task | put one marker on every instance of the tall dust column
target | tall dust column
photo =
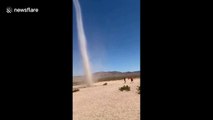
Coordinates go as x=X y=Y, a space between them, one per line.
x=82 y=42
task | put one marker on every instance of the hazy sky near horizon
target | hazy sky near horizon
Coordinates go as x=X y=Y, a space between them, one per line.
x=112 y=29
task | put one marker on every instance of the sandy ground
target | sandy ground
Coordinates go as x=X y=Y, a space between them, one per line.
x=107 y=102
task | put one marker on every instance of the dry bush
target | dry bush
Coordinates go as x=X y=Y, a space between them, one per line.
x=75 y=90
x=125 y=87
x=139 y=89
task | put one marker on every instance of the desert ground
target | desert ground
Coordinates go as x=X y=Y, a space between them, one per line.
x=107 y=102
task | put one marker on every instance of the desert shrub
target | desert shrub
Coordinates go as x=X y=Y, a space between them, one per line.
x=139 y=89
x=111 y=78
x=105 y=84
x=75 y=90
x=125 y=87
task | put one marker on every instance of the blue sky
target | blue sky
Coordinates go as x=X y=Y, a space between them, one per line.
x=112 y=29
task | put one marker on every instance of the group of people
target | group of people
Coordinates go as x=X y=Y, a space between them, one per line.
x=128 y=78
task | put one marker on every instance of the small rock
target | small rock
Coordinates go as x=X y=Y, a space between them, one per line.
x=105 y=84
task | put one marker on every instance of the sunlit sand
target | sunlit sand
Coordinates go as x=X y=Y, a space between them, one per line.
x=100 y=102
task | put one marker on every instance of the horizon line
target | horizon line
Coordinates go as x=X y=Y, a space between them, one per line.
x=108 y=71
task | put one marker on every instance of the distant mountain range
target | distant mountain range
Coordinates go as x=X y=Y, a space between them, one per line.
x=105 y=76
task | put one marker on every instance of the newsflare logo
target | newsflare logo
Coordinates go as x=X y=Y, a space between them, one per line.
x=9 y=10
x=28 y=9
